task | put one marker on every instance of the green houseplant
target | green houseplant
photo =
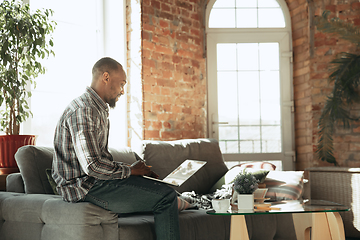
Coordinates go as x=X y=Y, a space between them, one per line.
x=345 y=75
x=245 y=184
x=25 y=38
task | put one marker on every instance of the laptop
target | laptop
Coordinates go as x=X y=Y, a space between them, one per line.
x=181 y=173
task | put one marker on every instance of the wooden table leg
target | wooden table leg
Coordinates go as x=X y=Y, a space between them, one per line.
x=327 y=225
x=302 y=225
x=336 y=225
x=324 y=226
x=238 y=229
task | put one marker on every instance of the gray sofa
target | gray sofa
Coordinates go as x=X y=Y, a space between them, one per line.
x=29 y=209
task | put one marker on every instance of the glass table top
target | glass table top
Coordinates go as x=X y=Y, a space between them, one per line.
x=290 y=206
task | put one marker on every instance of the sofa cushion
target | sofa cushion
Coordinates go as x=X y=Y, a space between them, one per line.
x=197 y=225
x=32 y=162
x=271 y=227
x=125 y=155
x=194 y=225
x=44 y=216
x=284 y=185
x=257 y=165
x=259 y=174
x=165 y=156
x=259 y=169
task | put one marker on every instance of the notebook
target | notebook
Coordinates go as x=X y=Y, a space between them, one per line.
x=181 y=173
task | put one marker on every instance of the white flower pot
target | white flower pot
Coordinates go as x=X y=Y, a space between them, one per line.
x=221 y=205
x=245 y=202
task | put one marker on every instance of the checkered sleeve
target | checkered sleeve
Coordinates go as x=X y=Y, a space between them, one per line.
x=89 y=136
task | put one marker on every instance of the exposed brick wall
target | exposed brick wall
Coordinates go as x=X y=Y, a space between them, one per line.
x=326 y=47
x=313 y=52
x=173 y=69
x=174 y=73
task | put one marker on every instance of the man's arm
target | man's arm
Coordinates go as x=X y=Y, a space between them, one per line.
x=86 y=129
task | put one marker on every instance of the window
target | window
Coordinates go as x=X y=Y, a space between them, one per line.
x=82 y=36
x=248 y=80
x=246 y=14
x=250 y=86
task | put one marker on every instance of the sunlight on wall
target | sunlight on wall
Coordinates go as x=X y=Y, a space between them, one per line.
x=82 y=36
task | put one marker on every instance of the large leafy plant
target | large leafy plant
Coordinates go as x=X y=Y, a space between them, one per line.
x=345 y=75
x=25 y=38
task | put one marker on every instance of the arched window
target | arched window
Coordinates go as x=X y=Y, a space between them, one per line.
x=249 y=61
x=246 y=14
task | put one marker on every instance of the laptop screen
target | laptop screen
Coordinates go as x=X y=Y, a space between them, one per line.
x=184 y=171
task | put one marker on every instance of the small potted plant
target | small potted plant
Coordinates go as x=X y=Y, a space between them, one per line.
x=245 y=185
x=25 y=38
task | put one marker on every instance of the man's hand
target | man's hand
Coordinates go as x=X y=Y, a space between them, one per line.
x=140 y=168
x=153 y=174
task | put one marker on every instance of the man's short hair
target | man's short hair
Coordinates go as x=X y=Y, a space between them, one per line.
x=105 y=64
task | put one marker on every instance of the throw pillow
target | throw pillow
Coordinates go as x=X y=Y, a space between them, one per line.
x=259 y=174
x=257 y=165
x=51 y=181
x=284 y=185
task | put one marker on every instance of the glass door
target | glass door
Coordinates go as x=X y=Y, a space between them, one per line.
x=250 y=98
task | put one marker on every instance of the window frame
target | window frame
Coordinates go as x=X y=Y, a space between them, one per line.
x=237 y=35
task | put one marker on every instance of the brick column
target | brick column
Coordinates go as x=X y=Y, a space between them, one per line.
x=174 y=71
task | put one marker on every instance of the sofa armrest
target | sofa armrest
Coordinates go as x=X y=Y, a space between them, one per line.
x=15 y=183
x=49 y=217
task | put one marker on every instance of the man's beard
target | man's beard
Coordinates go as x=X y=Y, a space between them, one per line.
x=112 y=102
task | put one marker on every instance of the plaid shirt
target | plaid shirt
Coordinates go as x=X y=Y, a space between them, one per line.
x=81 y=148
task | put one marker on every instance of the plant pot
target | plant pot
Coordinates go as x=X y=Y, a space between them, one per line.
x=9 y=144
x=245 y=202
x=221 y=205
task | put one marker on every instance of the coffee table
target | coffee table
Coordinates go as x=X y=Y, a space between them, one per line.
x=322 y=216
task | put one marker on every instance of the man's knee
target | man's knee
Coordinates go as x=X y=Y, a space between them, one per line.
x=169 y=198
x=170 y=193
x=173 y=194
